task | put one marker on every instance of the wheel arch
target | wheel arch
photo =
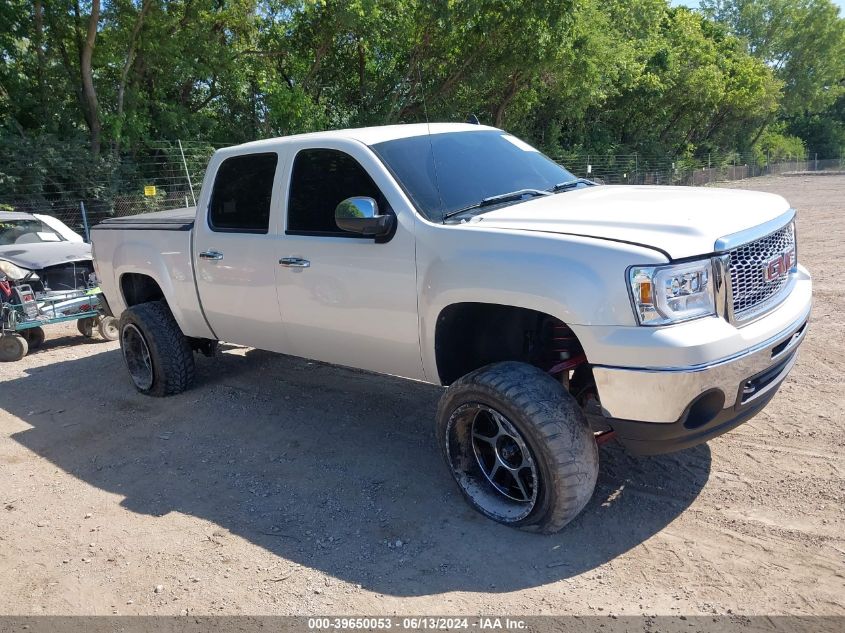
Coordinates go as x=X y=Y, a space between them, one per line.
x=138 y=288
x=144 y=273
x=470 y=334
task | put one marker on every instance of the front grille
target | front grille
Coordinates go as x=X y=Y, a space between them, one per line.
x=751 y=292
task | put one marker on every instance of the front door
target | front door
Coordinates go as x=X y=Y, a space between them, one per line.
x=345 y=298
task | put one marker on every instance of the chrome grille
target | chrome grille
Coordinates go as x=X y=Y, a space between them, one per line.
x=751 y=292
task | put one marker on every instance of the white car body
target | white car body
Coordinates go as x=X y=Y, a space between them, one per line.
x=376 y=306
x=50 y=252
x=60 y=227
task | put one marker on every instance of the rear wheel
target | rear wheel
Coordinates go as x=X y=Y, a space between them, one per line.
x=34 y=337
x=12 y=347
x=157 y=354
x=108 y=328
x=86 y=327
x=518 y=446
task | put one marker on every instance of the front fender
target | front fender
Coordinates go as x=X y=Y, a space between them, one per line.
x=579 y=280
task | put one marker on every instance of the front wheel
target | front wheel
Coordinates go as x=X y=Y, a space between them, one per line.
x=518 y=446
x=157 y=354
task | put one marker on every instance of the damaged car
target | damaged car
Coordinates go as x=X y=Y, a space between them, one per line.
x=42 y=251
x=46 y=276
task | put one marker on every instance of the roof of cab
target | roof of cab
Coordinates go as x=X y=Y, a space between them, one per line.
x=15 y=215
x=366 y=135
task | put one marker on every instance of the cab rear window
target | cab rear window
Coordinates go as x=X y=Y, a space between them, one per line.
x=243 y=189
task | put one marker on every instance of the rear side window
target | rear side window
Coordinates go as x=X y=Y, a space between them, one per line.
x=243 y=188
x=322 y=179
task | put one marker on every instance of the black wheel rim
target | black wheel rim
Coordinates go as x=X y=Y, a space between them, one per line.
x=491 y=461
x=136 y=353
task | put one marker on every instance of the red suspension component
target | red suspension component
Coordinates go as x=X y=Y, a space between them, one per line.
x=565 y=352
x=572 y=363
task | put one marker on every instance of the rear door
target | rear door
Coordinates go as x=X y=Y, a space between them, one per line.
x=235 y=251
x=345 y=298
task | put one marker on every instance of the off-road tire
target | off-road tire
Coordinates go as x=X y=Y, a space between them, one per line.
x=12 y=347
x=169 y=350
x=552 y=427
x=34 y=337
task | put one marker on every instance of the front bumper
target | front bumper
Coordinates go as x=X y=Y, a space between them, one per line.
x=662 y=409
x=649 y=438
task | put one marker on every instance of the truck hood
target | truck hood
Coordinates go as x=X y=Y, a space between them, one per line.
x=681 y=221
x=39 y=255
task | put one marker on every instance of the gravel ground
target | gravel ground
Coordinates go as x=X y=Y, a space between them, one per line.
x=280 y=486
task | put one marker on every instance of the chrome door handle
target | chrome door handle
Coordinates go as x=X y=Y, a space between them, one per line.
x=294 y=262
x=212 y=255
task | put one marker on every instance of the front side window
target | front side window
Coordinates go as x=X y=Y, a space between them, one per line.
x=243 y=189
x=321 y=179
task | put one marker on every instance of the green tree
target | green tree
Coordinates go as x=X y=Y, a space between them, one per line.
x=598 y=76
x=802 y=40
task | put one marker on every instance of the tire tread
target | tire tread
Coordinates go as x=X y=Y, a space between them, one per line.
x=173 y=360
x=563 y=436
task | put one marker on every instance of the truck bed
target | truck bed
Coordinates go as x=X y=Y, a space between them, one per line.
x=170 y=220
x=164 y=258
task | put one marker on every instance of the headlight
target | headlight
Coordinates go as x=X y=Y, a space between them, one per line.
x=15 y=273
x=670 y=294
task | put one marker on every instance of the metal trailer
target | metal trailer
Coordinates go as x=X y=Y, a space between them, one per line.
x=24 y=314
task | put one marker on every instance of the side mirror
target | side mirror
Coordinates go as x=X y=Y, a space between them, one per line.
x=360 y=215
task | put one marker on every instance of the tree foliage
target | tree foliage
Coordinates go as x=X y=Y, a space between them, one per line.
x=95 y=81
x=803 y=41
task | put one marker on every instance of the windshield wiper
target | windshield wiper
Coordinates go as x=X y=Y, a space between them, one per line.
x=571 y=184
x=498 y=199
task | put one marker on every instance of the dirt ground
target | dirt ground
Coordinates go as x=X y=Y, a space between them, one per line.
x=280 y=486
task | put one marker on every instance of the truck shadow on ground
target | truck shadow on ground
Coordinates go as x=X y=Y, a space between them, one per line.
x=329 y=468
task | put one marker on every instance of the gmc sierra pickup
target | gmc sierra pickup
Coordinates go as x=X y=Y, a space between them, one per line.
x=556 y=311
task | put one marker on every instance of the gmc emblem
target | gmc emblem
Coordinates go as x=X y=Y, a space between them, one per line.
x=779 y=266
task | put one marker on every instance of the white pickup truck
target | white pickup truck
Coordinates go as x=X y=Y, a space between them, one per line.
x=557 y=312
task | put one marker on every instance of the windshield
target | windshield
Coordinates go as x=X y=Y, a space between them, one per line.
x=26 y=232
x=470 y=167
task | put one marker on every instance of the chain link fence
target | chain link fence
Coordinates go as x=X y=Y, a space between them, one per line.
x=170 y=174
x=634 y=169
x=167 y=175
